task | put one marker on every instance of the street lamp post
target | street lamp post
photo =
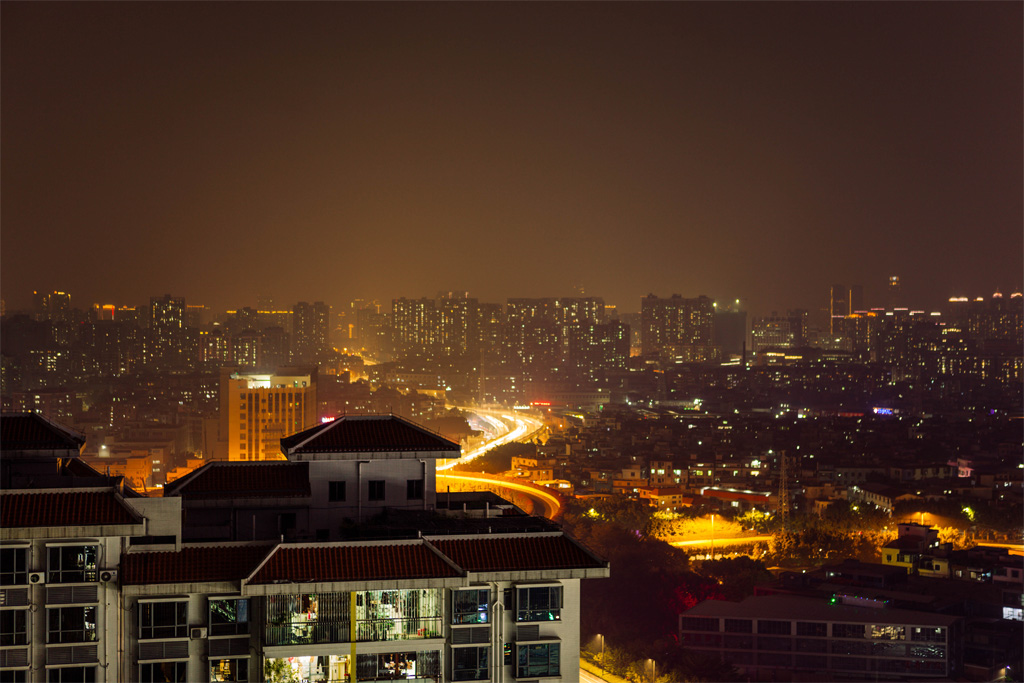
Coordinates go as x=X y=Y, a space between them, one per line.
x=602 y=652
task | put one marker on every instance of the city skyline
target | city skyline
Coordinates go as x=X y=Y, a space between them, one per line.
x=340 y=151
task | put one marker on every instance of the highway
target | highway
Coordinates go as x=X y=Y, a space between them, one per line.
x=721 y=542
x=509 y=425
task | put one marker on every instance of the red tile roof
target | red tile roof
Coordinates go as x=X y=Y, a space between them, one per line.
x=207 y=563
x=307 y=564
x=516 y=553
x=366 y=433
x=246 y=479
x=32 y=432
x=71 y=508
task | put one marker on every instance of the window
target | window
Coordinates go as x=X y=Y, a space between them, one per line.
x=470 y=607
x=773 y=626
x=739 y=626
x=470 y=663
x=12 y=566
x=229 y=617
x=810 y=628
x=928 y=634
x=847 y=630
x=229 y=669
x=887 y=632
x=163 y=619
x=10 y=676
x=71 y=564
x=12 y=627
x=163 y=672
x=414 y=489
x=699 y=624
x=72 y=674
x=538 y=659
x=71 y=624
x=542 y=603
x=376 y=490
x=336 y=491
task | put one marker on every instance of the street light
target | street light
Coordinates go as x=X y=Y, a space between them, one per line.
x=601 y=664
x=654 y=671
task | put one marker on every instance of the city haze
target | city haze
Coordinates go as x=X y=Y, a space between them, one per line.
x=336 y=150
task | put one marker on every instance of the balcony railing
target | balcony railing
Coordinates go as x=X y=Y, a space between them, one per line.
x=418 y=628
x=367 y=630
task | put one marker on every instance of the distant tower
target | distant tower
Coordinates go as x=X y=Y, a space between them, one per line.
x=838 y=308
x=783 y=510
x=893 y=292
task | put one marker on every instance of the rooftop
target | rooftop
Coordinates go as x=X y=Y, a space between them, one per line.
x=274 y=479
x=192 y=564
x=335 y=562
x=33 y=432
x=516 y=553
x=366 y=434
x=788 y=607
x=64 y=508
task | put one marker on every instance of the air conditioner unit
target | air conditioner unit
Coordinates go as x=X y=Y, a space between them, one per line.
x=197 y=632
x=108 y=575
x=37 y=577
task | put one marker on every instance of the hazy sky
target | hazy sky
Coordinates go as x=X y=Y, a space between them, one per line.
x=333 y=150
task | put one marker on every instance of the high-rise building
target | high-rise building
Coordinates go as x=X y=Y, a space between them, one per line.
x=458 y=321
x=167 y=339
x=838 y=308
x=677 y=328
x=258 y=410
x=415 y=326
x=894 y=292
x=310 y=332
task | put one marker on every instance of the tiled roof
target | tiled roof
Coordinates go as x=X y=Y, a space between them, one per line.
x=248 y=479
x=31 y=431
x=306 y=564
x=366 y=433
x=71 y=508
x=205 y=563
x=516 y=553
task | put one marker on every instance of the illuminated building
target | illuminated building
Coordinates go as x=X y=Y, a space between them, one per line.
x=415 y=327
x=774 y=331
x=55 y=306
x=167 y=339
x=838 y=308
x=310 y=332
x=258 y=410
x=458 y=324
x=894 y=292
x=245 y=349
x=677 y=328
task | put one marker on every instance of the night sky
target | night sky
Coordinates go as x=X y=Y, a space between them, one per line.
x=329 y=151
